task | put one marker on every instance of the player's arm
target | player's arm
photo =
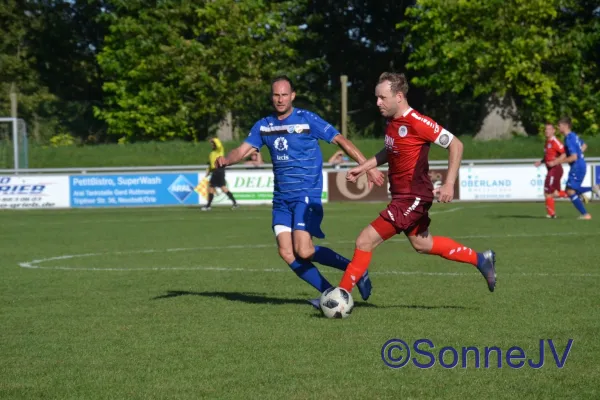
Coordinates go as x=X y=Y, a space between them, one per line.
x=583 y=147
x=378 y=159
x=236 y=155
x=571 y=148
x=559 y=160
x=455 y=153
x=353 y=152
x=349 y=148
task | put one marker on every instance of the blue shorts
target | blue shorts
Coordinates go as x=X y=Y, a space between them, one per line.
x=575 y=179
x=299 y=215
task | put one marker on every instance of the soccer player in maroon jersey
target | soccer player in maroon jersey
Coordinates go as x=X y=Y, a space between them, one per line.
x=408 y=137
x=553 y=149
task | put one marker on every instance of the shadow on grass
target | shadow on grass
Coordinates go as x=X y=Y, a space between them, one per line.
x=258 y=298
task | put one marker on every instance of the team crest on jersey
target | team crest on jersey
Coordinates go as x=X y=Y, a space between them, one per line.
x=298 y=129
x=549 y=145
x=403 y=131
x=281 y=144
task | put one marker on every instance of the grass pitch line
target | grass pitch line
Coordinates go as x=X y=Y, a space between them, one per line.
x=270 y=270
x=35 y=264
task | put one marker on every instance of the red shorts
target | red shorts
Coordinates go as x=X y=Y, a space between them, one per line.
x=409 y=215
x=552 y=183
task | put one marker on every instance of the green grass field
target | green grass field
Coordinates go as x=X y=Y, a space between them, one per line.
x=184 y=153
x=174 y=303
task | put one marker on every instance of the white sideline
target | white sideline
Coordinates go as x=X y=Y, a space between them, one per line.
x=35 y=264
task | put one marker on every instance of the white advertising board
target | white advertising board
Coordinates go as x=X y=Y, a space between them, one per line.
x=248 y=187
x=508 y=182
x=31 y=192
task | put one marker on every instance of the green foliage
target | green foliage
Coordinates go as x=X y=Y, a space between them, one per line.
x=178 y=152
x=18 y=71
x=62 y=139
x=517 y=49
x=173 y=71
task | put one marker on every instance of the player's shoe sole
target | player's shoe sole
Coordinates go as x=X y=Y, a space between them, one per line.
x=487 y=267
x=316 y=303
x=365 y=286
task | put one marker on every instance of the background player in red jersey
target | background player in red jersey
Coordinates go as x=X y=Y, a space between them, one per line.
x=408 y=138
x=553 y=149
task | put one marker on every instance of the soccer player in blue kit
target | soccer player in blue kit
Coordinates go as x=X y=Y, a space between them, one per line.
x=574 y=148
x=292 y=136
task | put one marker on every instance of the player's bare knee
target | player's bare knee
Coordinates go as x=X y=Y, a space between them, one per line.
x=364 y=243
x=287 y=255
x=420 y=248
x=305 y=252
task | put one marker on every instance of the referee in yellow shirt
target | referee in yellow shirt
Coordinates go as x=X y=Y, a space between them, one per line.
x=217 y=179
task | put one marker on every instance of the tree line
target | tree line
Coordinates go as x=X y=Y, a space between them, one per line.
x=131 y=70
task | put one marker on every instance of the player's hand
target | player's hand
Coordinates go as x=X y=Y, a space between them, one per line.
x=375 y=177
x=221 y=162
x=353 y=174
x=537 y=163
x=445 y=193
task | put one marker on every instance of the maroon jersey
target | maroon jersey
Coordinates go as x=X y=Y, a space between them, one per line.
x=407 y=141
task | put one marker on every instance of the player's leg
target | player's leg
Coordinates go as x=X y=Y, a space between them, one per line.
x=425 y=243
x=369 y=238
x=230 y=196
x=550 y=205
x=550 y=187
x=573 y=189
x=305 y=270
x=307 y=223
x=211 y=196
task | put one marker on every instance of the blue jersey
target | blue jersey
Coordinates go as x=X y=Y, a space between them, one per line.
x=573 y=145
x=295 y=153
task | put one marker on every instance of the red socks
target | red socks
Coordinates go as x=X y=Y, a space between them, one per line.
x=355 y=270
x=451 y=250
x=550 y=206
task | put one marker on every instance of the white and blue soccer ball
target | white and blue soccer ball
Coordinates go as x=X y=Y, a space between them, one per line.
x=336 y=302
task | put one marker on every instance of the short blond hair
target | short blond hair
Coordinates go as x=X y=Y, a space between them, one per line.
x=398 y=82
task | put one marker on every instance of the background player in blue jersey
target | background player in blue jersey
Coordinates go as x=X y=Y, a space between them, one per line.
x=292 y=136
x=574 y=148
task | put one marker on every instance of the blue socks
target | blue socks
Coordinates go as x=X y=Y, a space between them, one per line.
x=310 y=274
x=326 y=256
x=578 y=204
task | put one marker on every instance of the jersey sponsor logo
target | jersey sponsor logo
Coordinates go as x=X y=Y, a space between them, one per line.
x=281 y=144
x=284 y=157
x=290 y=128
x=402 y=131
x=389 y=143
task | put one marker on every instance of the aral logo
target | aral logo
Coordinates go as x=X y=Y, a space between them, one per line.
x=281 y=144
x=181 y=188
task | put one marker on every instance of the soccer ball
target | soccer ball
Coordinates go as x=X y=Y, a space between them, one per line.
x=336 y=303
